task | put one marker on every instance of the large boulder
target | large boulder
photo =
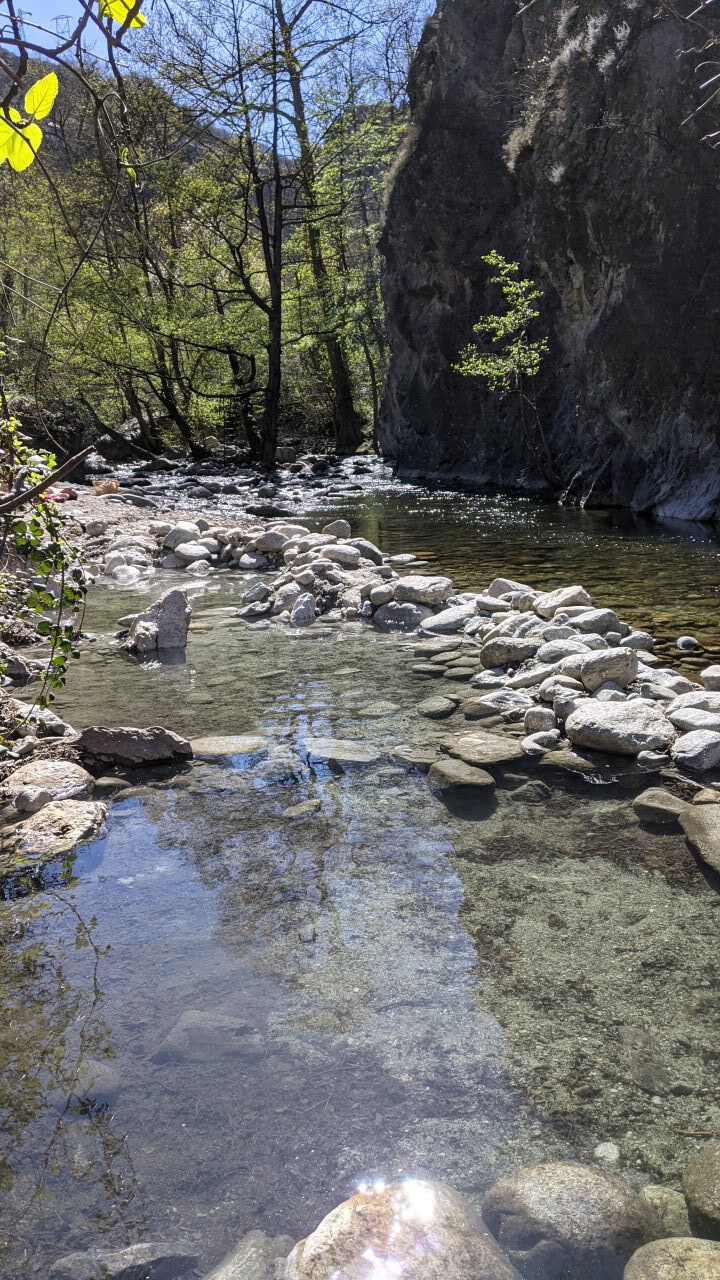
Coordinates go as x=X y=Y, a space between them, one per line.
x=619 y=665
x=549 y=602
x=678 y=1259
x=698 y=750
x=132 y=748
x=186 y=531
x=701 y=1184
x=400 y=616
x=163 y=625
x=414 y=1229
x=450 y=620
x=566 y=1221
x=623 y=728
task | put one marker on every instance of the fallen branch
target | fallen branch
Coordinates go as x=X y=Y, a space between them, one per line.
x=19 y=499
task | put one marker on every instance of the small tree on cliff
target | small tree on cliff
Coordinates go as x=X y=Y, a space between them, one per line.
x=503 y=353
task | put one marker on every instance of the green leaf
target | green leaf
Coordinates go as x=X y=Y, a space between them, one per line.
x=40 y=97
x=23 y=146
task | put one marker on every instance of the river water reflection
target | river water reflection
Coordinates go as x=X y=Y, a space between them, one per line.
x=218 y=1017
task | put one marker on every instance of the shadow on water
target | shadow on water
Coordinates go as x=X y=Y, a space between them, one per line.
x=222 y=1017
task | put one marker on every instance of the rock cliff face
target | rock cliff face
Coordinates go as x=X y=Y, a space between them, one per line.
x=556 y=135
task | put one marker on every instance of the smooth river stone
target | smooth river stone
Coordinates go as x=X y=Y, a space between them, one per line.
x=483 y=748
x=449 y=775
x=676 y=1259
x=623 y=728
x=254 y=1258
x=59 y=827
x=166 y=1260
x=341 y=751
x=701 y=825
x=420 y=757
x=241 y=744
x=414 y=1230
x=60 y=779
x=423 y=588
x=701 y=1184
x=436 y=708
x=570 y=1220
x=658 y=805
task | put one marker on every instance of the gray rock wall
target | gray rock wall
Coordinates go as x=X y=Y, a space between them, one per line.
x=557 y=137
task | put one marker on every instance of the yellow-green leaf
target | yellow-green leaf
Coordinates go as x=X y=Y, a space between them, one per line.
x=7 y=133
x=23 y=145
x=119 y=10
x=41 y=96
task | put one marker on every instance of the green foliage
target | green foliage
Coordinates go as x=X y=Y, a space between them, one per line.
x=20 y=136
x=41 y=576
x=509 y=355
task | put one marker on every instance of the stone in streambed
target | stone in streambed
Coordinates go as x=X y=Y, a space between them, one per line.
x=151 y=1260
x=618 y=665
x=711 y=677
x=58 y=827
x=163 y=625
x=437 y=708
x=506 y=649
x=202 y=1035
x=484 y=748
x=548 y=603
x=675 y=1259
x=418 y=757
x=452 y=775
x=570 y=1220
x=701 y=1184
x=418 y=1230
x=240 y=744
x=55 y=779
x=658 y=805
x=623 y=728
x=698 y=750
x=449 y=620
x=341 y=751
x=420 y=588
x=305 y=809
x=132 y=747
x=255 y=1258
x=671 y=1208
x=400 y=616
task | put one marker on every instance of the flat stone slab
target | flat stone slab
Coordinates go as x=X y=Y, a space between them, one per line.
x=341 y=751
x=483 y=748
x=241 y=744
x=436 y=708
x=164 y=1260
x=452 y=775
x=419 y=757
x=701 y=824
x=622 y=728
x=658 y=805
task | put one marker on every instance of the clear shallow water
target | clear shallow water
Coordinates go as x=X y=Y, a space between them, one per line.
x=390 y=985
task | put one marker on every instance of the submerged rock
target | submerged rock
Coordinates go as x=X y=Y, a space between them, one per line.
x=255 y=1257
x=241 y=744
x=658 y=805
x=416 y=1230
x=451 y=775
x=165 y=1260
x=701 y=1184
x=569 y=1220
x=484 y=748
x=202 y=1035
x=701 y=825
x=676 y=1259
x=341 y=751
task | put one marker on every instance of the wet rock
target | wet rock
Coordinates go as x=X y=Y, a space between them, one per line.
x=671 y=1208
x=510 y=703
x=711 y=677
x=132 y=747
x=190 y=552
x=396 y=616
x=97 y=1082
x=658 y=805
x=676 y=1259
x=418 y=757
x=420 y=588
x=625 y=728
x=341 y=751
x=53 y=779
x=619 y=665
x=537 y=744
x=484 y=748
x=701 y=1184
x=162 y=1260
x=255 y=1257
x=449 y=620
x=698 y=750
x=437 y=708
x=548 y=603
x=568 y=1220
x=417 y=1230
x=303 y=610
x=451 y=775
x=376 y=710
x=59 y=827
x=201 y=1035
x=240 y=744
x=688 y=644
x=164 y=625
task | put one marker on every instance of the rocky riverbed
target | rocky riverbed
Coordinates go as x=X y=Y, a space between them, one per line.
x=577 y=864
